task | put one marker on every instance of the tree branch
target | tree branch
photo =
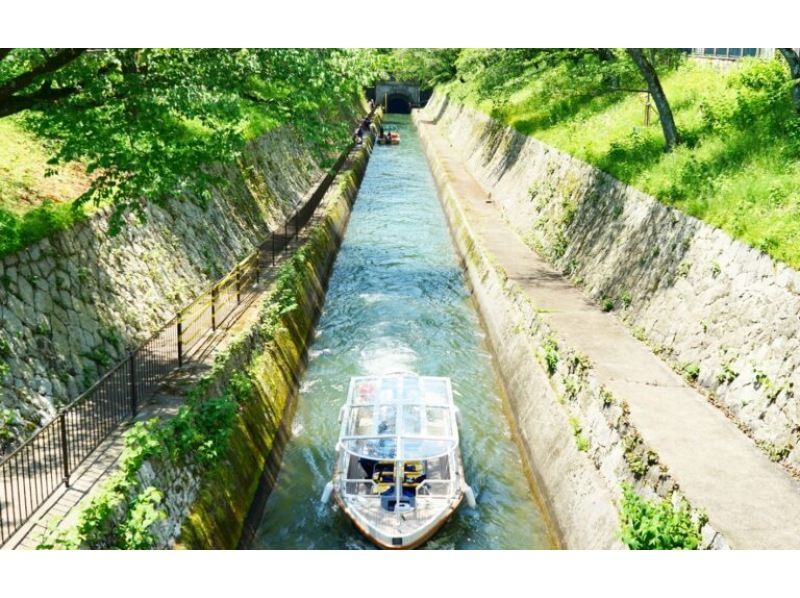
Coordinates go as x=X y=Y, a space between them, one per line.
x=255 y=98
x=31 y=101
x=52 y=64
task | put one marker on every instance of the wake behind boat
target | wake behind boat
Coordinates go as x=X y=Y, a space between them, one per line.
x=398 y=472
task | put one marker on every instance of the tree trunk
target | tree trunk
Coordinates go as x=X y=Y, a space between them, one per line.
x=671 y=137
x=790 y=54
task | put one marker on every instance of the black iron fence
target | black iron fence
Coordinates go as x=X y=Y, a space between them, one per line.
x=37 y=468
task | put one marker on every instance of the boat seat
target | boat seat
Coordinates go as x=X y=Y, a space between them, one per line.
x=383 y=480
x=381 y=488
x=389 y=501
x=414 y=473
x=413 y=481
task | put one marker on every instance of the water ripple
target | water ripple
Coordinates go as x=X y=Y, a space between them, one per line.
x=397 y=300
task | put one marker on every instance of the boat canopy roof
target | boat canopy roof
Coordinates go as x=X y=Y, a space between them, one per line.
x=389 y=127
x=399 y=417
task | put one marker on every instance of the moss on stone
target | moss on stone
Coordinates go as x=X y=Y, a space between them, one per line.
x=217 y=518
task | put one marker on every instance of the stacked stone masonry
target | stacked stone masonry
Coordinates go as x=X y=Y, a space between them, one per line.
x=724 y=314
x=562 y=411
x=74 y=304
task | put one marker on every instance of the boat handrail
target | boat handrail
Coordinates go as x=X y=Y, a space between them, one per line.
x=372 y=483
x=395 y=436
x=425 y=483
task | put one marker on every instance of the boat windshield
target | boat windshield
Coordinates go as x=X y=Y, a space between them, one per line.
x=399 y=417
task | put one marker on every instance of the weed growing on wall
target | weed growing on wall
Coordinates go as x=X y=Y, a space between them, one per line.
x=549 y=353
x=658 y=525
x=123 y=513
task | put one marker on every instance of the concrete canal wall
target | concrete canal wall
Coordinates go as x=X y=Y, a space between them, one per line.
x=230 y=501
x=577 y=437
x=723 y=314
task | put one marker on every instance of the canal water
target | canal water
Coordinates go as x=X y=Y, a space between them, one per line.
x=397 y=300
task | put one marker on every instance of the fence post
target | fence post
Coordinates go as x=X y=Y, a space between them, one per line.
x=134 y=386
x=238 y=285
x=62 y=421
x=214 y=307
x=180 y=341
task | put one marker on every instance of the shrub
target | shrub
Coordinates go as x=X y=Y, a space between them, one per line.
x=550 y=354
x=577 y=431
x=658 y=525
x=728 y=374
x=18 y=232
x=692 y=371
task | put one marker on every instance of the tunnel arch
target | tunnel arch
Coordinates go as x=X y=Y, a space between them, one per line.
x=398 y=103
x=397 y=96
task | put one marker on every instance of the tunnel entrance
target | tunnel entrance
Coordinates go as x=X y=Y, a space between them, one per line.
x=398 y=97
x=398 y=104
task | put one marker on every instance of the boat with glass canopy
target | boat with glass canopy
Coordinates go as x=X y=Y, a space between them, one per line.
x=398 y=472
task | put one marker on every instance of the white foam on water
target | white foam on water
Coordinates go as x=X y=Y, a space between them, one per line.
x=373 y=297
x=387 y=355
x=307 y=385
x=314 y=353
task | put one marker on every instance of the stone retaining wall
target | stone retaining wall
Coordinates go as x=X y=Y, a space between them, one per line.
x=725 y=315
x=211 y=507
x=218 y=517
x=577 y=437
x=73 y=304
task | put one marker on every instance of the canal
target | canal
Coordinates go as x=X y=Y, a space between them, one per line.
x=397 y=300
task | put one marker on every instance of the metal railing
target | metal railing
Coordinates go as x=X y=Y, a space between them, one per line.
x=37 y=468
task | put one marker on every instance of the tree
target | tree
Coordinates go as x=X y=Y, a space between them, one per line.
x=148 y=123
x=648 y=72
x=427 y=66
x=791 y=56
x=29 y=82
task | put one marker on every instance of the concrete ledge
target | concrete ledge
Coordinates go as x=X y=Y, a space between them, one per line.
x=576 y=497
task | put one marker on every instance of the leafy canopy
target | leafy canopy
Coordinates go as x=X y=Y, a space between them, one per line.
x=148 y=122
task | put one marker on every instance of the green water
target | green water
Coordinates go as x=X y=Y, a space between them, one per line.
x=397 y=300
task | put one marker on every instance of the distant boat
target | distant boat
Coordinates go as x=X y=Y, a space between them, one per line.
x=398 y=472
x=390 y=135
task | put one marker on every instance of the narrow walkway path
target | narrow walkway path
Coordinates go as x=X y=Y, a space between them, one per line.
x=60 y=508
x=753 y=502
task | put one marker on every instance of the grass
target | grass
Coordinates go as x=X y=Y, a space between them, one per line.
x=739 y=168
x=23 y=164
x=34 y=205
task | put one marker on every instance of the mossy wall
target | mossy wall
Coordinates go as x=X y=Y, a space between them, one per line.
x=217 y=518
